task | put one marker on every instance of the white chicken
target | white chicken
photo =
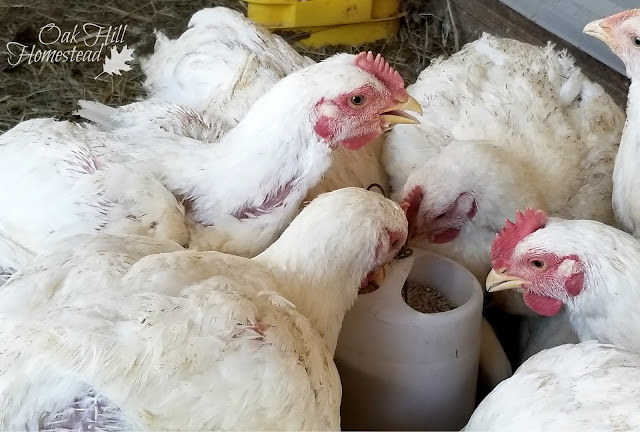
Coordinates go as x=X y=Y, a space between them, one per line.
x=588 y=386
x=203 y=83
x=621 y=32
x=521 y=124
x=130 y=333
x=505 y=125
x=240 y=192
x=589 y=269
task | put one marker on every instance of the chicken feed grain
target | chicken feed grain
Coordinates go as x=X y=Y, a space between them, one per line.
x=419 y=297
x=425 y=299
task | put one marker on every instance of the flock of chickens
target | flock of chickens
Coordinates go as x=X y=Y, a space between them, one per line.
x=185 y=262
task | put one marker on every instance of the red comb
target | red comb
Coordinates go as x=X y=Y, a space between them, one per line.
x=512 y=233
x=614 y=20
x=379 y=68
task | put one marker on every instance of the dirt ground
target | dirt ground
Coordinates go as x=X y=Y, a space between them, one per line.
x=50 y=89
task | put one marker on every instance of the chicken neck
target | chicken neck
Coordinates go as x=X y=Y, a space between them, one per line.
x=606 y=309
x=626 y=181
x=319 y=275
x=265 y=165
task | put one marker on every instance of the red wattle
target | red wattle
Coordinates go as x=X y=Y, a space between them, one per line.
x=358 y=142
x=445 y=236
x=542 y=305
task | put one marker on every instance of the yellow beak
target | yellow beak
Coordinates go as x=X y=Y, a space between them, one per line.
x=396 y=115
x=500 y=281
x=599 y=30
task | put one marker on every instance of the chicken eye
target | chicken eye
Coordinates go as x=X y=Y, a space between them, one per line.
x=636 y=41
x=357 y=100
x=537 y=264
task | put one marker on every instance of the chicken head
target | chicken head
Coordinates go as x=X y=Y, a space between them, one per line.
x=441 y=224
x=467 y=190
x=621 y=32
x=370 y=99
x=520 y=260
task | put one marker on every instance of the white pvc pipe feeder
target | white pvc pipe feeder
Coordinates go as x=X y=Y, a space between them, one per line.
x=406 y=370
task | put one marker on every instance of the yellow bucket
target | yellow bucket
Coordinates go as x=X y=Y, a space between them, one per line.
x=329 y=22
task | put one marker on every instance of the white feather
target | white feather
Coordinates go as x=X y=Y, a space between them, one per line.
x=184 y=340
x=588 y=386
